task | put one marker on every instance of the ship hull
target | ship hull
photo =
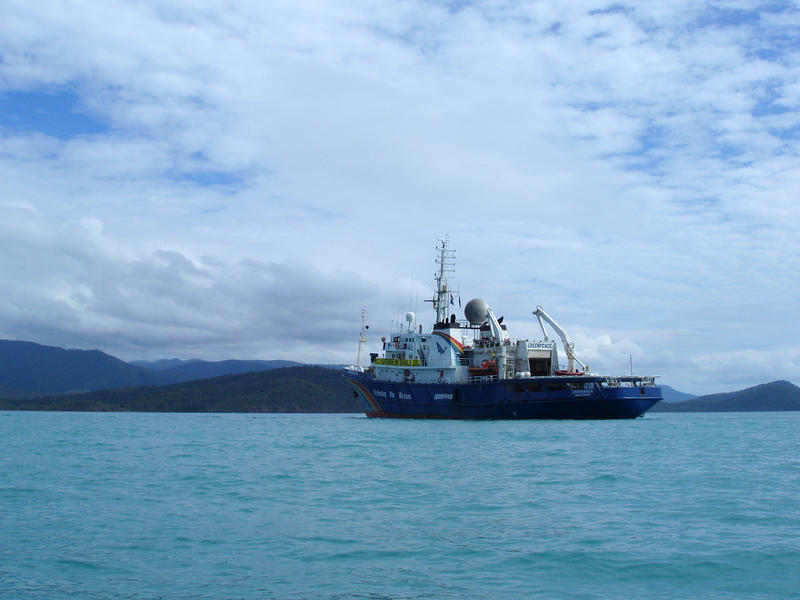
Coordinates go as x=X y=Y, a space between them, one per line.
x=539 y=398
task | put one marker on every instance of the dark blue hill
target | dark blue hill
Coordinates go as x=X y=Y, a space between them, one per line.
x=670 y=394
x=49 y=370
x=775 y=396
x=27 y=369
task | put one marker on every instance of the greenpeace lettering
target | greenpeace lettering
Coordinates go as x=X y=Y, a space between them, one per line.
x=398 y=362
x=541 y=345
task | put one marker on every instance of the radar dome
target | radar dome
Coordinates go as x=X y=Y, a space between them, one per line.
x=410 y=316
x=476 y=311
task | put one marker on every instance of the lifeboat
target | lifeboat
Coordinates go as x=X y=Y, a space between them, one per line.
x=487 y=367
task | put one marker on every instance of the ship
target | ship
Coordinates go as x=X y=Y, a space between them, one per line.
x=471 y=368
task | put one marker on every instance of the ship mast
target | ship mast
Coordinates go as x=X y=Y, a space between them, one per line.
x=362 y=342
x=446 y=261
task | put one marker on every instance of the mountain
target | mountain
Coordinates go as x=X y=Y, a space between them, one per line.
x=41 y=369
x=177 y=370
x=29 y=369
x=200 y=369
x=161 y=364
x=670 y=394
x=285 y=390
x=775 y=396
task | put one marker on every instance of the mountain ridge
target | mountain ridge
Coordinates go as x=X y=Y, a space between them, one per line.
x=28 y=368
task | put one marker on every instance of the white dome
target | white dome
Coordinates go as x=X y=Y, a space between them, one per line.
x=476 y=311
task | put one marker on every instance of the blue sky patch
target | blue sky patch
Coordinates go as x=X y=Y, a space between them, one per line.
x=206 y=178
x=54 y=113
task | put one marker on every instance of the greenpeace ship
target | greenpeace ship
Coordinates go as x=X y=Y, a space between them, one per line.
x=472 y=370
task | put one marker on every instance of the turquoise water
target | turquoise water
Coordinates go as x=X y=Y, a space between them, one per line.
x=339 y=506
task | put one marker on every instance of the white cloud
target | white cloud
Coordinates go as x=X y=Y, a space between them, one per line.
x=630 y=166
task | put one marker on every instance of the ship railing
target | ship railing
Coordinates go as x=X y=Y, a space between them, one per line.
x=630 y=381
x=481 y=378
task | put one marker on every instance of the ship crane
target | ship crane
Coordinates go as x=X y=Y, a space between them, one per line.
x=569 y=347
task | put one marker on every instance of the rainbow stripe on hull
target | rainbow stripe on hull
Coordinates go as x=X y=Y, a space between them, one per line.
x=367 y=399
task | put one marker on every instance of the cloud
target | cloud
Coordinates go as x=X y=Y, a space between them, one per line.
x=69 y=284
x=631 y=167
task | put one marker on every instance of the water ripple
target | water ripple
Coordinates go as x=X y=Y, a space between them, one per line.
x=339 y=506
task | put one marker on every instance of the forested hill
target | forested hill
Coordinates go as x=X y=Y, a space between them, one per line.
x=775 y=396
x=291 y=390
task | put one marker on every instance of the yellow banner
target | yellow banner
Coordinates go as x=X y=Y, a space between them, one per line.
x=398 y=362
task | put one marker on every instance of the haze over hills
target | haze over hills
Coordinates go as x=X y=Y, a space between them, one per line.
x=161 y=364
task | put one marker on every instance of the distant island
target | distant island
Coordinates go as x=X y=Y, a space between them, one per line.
x=36 y=377
x=775 y=396
x=285 y=390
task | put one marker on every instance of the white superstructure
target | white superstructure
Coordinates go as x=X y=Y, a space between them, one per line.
x=478 y=349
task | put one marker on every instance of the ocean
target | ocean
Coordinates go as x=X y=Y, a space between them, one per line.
x=146 y=506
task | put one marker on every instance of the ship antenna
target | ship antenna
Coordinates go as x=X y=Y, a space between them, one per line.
x=362 y=342
x=446 y=260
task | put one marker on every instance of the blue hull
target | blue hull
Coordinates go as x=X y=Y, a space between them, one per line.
x=546 y=398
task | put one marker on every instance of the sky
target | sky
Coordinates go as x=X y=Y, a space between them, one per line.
x=238 y=179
